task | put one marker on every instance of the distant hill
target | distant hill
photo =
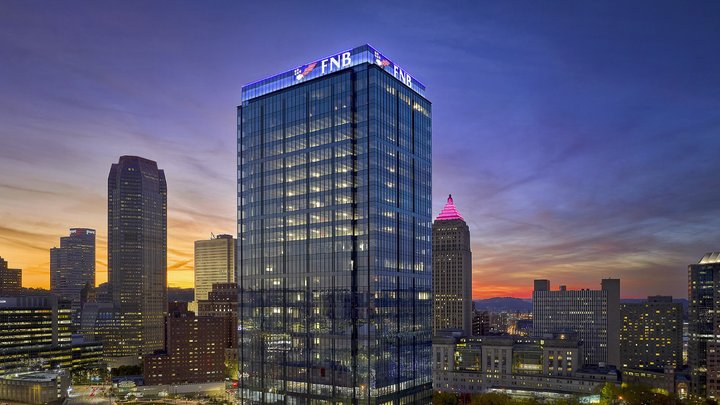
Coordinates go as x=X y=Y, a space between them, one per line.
x=507 y=304
x=180 y=294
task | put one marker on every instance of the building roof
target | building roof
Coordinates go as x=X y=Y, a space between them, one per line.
x=713 y=257
x=38 y=376
x=339 y=61
x=449 y=212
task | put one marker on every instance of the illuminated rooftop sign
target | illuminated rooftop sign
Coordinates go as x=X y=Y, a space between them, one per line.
x=449 y=212
x=334 y=63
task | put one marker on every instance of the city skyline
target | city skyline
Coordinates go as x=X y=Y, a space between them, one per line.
x=534 y=186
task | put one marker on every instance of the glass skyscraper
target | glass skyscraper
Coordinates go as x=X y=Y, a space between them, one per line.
x=704 y=326
x=72 y=266
x=334 y=226
x=137 y=257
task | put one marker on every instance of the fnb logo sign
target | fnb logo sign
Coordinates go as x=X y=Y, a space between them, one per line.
x=334 y=63
x=327 y=65
x=397 y=72
x=344 y=60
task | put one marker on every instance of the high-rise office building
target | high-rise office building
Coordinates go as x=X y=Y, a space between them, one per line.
x=214 y=263
x=72 y=265
x=452 y=271
x=651 y=334
x=593 y=314
x=33 y=328
x=334 y=227
x=137 y=257
x=10 y=279
x=704 y=325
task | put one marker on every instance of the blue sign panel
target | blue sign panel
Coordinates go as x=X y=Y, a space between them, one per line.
x=339 y=61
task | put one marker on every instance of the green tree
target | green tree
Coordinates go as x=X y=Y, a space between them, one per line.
x=231 y=369
x=609 y=394
x=127 y=370
x=567 y=401
x=491 y=398
x=444 y=398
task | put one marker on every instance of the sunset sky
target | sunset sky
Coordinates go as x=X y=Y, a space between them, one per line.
x=579 y=139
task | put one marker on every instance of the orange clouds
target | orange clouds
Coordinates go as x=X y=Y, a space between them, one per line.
x=34 y=220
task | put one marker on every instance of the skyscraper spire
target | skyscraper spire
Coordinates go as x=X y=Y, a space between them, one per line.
x=449 y=211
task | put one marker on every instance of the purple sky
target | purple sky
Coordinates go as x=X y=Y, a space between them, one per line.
x=579 y=139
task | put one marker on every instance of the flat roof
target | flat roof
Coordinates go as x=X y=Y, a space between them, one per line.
x=334 y=63
x=32 y=376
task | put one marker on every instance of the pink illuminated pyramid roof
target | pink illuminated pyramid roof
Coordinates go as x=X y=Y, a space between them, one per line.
x=449 y=211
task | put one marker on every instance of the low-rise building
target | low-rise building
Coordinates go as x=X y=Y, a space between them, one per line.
x=468 y=365
x=36 y=388
x=662 y=379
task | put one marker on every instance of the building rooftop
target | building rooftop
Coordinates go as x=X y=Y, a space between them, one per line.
x=713 y=257
x=339 y=61
x=449 y=212
x=38 y=376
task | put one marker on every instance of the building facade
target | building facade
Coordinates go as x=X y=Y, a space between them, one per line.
x=651 y=337
x=593 y=314
x=471 y=365
x=10 y=279
x=137 y=257
x=214 y=263
x=194 y=351
x=480 y=323
x=35 y=333
x=334 y=227
x=452 y=271
x=97 y=322
x=222 y=302
x=704 y=326
x=72 y=265
x=659 y=379
x=37 y=388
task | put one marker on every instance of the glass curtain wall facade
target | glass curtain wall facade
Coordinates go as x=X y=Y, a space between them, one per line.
x=703 y=323
x=334 y=216
x=72 y=266
x=137 y=257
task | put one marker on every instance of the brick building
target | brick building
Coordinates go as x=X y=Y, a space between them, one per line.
x=222 y=304
x=194 y=350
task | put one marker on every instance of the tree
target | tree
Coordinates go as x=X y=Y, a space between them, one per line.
x=609 y=394
x=568 y=401
x=231 y=369
x=444 y=398
x=635 y=394
x=127 y=370
x=491 y=398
